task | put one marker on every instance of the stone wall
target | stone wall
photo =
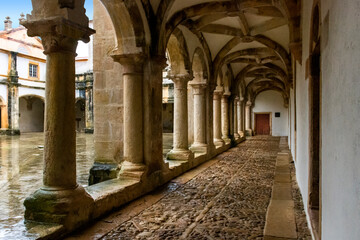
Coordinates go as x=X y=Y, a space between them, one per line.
x=108 y=91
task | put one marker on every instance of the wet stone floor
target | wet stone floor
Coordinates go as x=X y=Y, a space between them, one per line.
x=21 y=161
x=21 y=166
x=227 y=200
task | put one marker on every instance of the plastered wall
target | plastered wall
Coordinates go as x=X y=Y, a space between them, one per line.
x=272 y=101
x=340 y=114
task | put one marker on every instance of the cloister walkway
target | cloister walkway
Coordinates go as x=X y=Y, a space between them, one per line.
x=225 y=198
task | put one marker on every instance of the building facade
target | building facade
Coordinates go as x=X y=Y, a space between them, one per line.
x=22 y=82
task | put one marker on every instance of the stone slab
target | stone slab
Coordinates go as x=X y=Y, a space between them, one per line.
x=280 y=219
x=282 y=177
x=281 y=191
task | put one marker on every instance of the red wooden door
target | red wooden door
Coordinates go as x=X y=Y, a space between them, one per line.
x=263 y=124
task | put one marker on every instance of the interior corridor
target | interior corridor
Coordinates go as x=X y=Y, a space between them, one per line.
x=224 y=198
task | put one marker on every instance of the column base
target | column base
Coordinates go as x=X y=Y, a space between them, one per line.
x=89 y=130
x=241 y=133
x=226 y=139
x=236 y=136
x=180 y=154
x=249 y=132
x=101 y=172
x=199 y=148
x=132 y=170
x=219 y=142
x=68 y=207
x=10 y=132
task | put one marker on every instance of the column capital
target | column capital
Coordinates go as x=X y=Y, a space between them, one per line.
x=226 y=95
x=248 y=103
x=217 y=94
x=132 y=63
x=236 y=99
x=58 y=34
x=180 y=80
x=198 y=88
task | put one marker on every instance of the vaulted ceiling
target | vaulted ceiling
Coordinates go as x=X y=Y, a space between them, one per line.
x=251 y=39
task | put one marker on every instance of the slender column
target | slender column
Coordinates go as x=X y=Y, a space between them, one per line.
x=240 y=117
x=248 y=119
x=236 y=117
x=89 y=104
x=199 y=144
x=218 y=141
x=61 y=199
x=13 y=98
x=225 y=117
x=181 y=150
x=133 y=164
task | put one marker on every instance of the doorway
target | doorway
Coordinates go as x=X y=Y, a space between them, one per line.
x=262 y=124
x=314 y=200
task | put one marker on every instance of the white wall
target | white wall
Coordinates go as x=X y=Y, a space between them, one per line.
x=272 y=101
x=341 y=120
x=23 y=68
x=4 y=63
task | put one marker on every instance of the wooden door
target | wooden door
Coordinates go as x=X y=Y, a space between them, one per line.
x=263 y=124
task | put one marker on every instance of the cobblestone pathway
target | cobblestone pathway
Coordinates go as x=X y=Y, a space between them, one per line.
x=226 y=201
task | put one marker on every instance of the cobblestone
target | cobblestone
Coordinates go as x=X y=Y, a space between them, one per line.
x=226 y=201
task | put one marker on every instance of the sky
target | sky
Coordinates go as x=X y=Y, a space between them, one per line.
x=13 y=9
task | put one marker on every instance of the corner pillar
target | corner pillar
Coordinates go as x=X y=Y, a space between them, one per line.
x=13 y=98
x=181 y=149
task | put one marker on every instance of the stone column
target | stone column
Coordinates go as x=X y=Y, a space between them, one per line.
x=240 y=117
x=13 y=98
x=199 y=144
x=236 y=117
x=225 y=117
x=218 y=141
x=133 y=164
x=89 y=103
x=248 y=119
x=180 y=149
x=60 y=200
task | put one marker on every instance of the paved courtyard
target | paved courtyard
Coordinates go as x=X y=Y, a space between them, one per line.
x=225 y=198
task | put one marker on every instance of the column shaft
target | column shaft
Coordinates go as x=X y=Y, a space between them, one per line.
x=236 y=117
x=133 y=164
x=199 y=144
x=240 y=118
x=89 y=104
x=217 y=119
x=60 y=136
x=248 y=119
x=225 y=117
x=180 y=150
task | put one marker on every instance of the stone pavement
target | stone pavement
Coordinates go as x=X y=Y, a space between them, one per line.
x=225 y=198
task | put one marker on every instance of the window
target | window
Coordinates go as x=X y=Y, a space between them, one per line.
x=33 y=70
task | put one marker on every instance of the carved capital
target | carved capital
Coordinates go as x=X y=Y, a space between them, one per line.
x=248 y=104
x=198 y=88
x=58 y=34
x=217 y=94
x=180 y=80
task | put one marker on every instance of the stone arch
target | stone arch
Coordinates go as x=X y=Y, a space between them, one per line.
x=31 y=113
x=314 y=202
x=131 y=33
x=199 y=66
x=178 y=54
x=80 y=114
